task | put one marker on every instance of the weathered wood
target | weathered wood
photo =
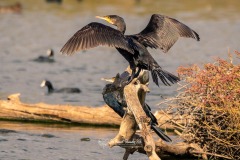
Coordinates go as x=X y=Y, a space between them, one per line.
x=135 y=97
x=14 y=109
x=127 y=130
x=180 y=149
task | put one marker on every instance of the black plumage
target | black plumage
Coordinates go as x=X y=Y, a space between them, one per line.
x=161 y=32
x=93 y=35
x=51 y=89
x=114 y=98
x=54 y=1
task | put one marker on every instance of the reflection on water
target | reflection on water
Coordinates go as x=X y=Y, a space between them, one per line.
x=42 y=25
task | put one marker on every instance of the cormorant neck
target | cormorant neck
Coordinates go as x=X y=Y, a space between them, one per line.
x=121 y=26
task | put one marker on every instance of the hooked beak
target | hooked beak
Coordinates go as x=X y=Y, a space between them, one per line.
x=105 y=18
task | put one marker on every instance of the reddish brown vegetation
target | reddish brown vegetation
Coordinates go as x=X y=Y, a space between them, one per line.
x=211 y=102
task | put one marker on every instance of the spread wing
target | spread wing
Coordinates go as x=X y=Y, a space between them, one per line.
x=93 y=35
x=162 y=32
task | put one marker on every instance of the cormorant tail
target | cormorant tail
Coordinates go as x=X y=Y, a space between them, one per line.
x=148 y=112
x=154 y=124
x=160 y=133
x=164 y=76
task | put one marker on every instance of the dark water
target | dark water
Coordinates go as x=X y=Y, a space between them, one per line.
x=41 y=26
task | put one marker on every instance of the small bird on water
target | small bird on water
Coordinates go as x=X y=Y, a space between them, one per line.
x=161 y=32
x=50 y=88
x=48 y=59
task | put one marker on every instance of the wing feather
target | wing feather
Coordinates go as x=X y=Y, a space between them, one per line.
x=162 y=32
x=93 y=35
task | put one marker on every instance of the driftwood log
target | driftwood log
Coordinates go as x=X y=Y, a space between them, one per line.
x=13 y=108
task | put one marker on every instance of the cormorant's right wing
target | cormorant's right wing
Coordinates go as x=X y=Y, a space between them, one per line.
x=93 y=35
x=162 y=32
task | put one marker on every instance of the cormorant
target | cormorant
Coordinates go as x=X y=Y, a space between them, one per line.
x=48 y=58
x=114 y=98
x=49 y=85
x=161 y=32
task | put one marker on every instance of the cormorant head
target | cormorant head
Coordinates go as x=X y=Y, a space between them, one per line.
x=112 y=19
x=115 y=20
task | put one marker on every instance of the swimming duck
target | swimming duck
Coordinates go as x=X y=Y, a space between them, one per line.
x=49 y=85
x=48 y=58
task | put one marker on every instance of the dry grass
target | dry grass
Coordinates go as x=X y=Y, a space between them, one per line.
x=210 y=100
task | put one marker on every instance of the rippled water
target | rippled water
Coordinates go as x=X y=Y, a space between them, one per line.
x=41 y=26
x=20 y=141
x=55 y=142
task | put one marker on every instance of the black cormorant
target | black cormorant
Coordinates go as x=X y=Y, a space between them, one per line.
x=50 y=88
x=114 y=98
x=161 y=32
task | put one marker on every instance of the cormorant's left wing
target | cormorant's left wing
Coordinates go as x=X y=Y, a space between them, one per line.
x=95 y=34
x=162 y=32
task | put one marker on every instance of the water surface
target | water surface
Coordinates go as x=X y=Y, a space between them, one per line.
x=55 y=142
x=41 y=26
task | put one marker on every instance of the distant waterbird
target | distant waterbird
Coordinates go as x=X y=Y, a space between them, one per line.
x=46 y=59
x=54 y=1
x=51 y=89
